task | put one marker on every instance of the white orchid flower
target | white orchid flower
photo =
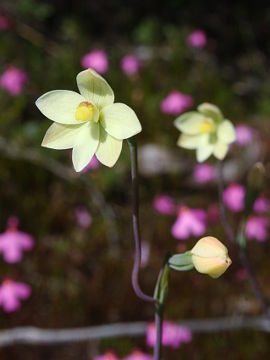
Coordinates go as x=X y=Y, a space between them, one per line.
x=89 y=123
x=206 y=131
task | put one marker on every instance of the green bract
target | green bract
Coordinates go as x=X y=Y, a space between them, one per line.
x=90 y=122
x=206 y=131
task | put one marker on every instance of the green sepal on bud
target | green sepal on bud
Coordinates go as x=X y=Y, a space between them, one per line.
x=181 y=262
x=162 y=285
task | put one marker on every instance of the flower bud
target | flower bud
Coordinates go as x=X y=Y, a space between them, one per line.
x=210 y=256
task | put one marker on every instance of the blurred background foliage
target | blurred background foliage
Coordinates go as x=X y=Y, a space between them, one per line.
x=82 y=276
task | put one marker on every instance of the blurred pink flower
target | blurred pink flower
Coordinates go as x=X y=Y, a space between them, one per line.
x=213 y=213
x=261 y=205
x=197 y=39
x=11 y=292
x=234 y=197
x=138 y=355
x=93 y=165
x=189 y=222
x=257 y=228
x=164 y=204
x=203 y=173
x=241 y=274
x=107 y=356
x=145 y=253
x=13 y=242
x=84 y=218
x=176 y=103
x=244 y=134
x=13 y=80
x=173 y=335
x=5 y=22
x=97 y=60
x=130 y=64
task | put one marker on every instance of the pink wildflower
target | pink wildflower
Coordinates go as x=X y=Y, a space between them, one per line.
x=93 y=165
x=257 y=228
x=11 y=292
x=13 y=80
x=14 y=242
x=261 y=205
x=130 y=64
x=203 y=173
x=5 y=22
x=197 y=39
x=97 y=60
x=241 y=274
x=176 y=103
x=164 y=204
x=189 y=222
x=107 y=356
x=234 y=197
x=84 y=219
x=213 y=213
x=138 y=355
x=173 y=335
x=244 y=134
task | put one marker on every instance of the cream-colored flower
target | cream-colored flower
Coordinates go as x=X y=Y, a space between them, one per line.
x=206 y=131
x=210 y=256
x=90 y=122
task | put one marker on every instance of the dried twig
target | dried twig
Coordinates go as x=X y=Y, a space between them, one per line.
x=35 y=336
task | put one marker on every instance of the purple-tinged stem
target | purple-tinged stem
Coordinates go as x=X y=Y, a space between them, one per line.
x=241 y=250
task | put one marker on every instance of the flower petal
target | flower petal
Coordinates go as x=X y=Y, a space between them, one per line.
x=189 y=123
x=60 y=136
x=94 y=88
x=86 y=145
x=209 y=246
x=109 y=148
x=204 y=152
x=220 y=150
x=120 y=121
x=226 y=132
x=210 y=110
x=192 y=141
x=214 y=267
x=60 y=105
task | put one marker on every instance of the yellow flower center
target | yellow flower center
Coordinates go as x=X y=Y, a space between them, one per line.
x=206 y=126
x=85 y=111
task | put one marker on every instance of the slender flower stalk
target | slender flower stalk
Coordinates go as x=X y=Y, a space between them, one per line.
x=135 y=221
x=158 y=344
x=137 y=237
x=241 y=249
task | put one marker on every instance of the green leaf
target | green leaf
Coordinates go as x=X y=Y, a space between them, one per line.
x=241 y=237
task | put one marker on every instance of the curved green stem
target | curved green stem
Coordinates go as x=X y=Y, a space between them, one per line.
x=135 y=221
